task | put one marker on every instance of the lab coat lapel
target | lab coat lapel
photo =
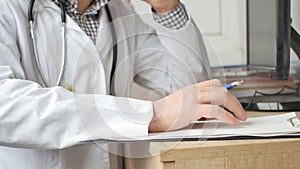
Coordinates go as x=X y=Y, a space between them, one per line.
x=104 y=45
x=83 y=67
x=89 y=72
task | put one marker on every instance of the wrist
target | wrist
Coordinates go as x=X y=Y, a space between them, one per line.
x=155 y=124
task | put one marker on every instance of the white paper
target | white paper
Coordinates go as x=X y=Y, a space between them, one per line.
x=267 y=126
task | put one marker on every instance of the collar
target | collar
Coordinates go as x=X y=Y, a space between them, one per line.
x=72 y=5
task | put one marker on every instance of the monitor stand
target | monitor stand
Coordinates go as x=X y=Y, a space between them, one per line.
x=282 y=102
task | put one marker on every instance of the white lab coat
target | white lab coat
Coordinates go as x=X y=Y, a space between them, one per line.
x=44 y=126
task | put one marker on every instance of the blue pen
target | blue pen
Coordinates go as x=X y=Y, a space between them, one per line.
x=233 y=84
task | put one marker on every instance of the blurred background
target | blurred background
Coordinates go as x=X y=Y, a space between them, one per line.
x=224 y=24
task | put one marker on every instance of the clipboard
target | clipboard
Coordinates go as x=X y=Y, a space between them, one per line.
x=285 y=125
x=295 y=121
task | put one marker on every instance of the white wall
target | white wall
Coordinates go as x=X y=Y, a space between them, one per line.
x=206 y=13
x=296 y=14
x=295 y=63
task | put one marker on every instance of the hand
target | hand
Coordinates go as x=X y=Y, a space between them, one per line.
x=194 y=102
x=161 y=6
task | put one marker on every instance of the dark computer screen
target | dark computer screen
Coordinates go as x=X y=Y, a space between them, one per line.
x=268 y=36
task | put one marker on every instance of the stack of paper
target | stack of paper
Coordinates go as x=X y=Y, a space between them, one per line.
x=268 y=126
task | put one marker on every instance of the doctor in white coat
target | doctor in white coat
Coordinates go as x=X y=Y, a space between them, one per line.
x=42 y=125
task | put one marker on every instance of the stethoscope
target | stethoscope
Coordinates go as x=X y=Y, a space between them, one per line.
x=104 y=3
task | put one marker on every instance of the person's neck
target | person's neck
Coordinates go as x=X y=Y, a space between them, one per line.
x=83 y=5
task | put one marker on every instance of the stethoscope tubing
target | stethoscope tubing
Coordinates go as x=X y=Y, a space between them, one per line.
x=115 y=51
x=63 y=23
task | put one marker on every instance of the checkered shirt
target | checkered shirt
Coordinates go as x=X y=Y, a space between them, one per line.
x=89 y=21
x=175 y=19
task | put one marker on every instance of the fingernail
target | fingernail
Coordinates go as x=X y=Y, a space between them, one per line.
x=237 y=122
x=245 y=116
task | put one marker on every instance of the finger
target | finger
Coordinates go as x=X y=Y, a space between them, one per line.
x=214 y=111
x=127 y=1
x=232 y=104
x=212 y=95
x=210 y=83
x=221 y=96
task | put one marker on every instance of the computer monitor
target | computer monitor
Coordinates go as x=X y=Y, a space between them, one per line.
x=269 y=36
x=269 y=40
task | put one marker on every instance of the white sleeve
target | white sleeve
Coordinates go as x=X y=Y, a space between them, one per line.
x=54 y=118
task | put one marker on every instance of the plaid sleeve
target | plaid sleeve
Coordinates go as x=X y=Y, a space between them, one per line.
x=175 y=19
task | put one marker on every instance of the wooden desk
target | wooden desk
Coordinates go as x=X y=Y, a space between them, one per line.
x=233 y=154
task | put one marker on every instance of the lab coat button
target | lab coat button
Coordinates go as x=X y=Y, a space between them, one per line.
x=69 y=87
x=84 y=18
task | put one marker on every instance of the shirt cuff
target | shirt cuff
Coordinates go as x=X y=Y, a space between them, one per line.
x=175 y=19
